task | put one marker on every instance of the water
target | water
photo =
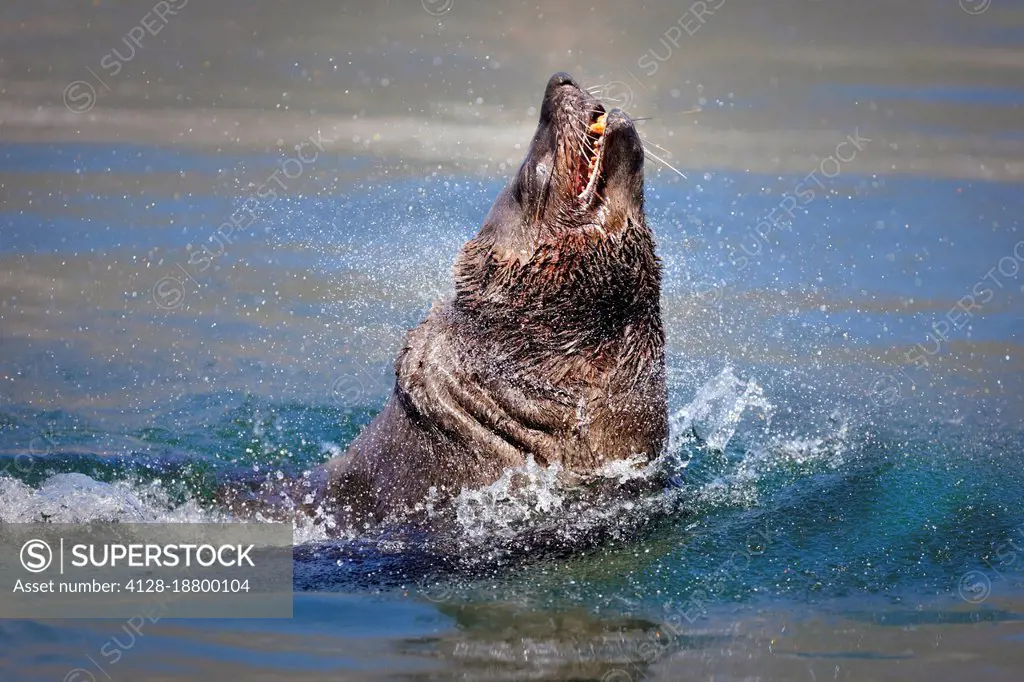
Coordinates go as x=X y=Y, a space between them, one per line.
x=846 y=454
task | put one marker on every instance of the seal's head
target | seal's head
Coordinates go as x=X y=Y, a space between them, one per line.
x=583 y=172
x=551 y=350
x=585 y=165
x=566 y=245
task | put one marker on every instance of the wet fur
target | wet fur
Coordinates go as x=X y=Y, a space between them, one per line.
x=552 y=345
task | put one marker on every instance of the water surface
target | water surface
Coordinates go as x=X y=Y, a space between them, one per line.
x=850 y=508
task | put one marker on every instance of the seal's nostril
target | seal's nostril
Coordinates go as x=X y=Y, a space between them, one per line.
x=554 y=93
x=561 y=78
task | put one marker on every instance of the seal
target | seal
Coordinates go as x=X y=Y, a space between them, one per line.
x=552 y=346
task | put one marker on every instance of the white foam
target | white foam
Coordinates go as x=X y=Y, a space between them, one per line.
x=715 y=411
x=77 y=498
x=526 y=500
x=627 y=469
x=510 y=502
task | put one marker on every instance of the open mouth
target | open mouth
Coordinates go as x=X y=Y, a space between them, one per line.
x=589 y=180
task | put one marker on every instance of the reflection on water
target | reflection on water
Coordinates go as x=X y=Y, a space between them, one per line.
x=186 y=297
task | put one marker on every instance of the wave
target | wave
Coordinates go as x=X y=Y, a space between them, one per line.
x=722 y=452
x=77 y=498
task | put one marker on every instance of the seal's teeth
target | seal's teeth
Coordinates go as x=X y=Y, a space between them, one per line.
x=590 y=178
x=592 y=152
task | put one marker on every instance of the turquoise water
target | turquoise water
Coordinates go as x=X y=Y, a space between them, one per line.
x=800 y=483
x=846 y=466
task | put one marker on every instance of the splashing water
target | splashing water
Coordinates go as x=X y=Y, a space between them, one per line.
x=531 y=498
x=500 y=509
x=528 y=508
x=714 y=414
x=77 y=498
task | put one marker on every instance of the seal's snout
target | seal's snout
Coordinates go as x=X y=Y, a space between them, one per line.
x=582 y=157
x=562 y=96
x=624 y=151
x=617 y=120
x=615 y=129
x=614 y=155
x=559 y=79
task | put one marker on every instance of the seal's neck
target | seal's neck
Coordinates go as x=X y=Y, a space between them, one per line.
x=584 y=294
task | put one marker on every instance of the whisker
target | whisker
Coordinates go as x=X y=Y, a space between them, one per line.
x=658 y=146
x=695 y=110
x=654 y=156
x=601 y=96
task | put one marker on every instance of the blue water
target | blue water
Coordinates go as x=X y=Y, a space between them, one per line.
x=817 y=472
x=883 y=499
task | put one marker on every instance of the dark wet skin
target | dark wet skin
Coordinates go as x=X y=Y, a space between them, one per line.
x=552 y=346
